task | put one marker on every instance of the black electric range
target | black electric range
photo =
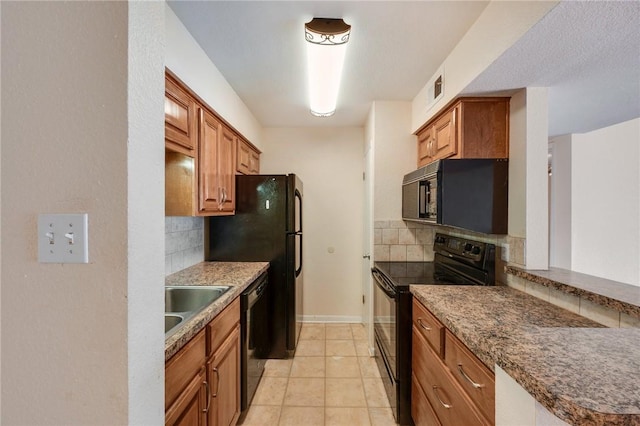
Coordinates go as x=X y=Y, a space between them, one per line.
x=457 y=261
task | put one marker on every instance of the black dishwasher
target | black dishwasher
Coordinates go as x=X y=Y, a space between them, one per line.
x=254 y=335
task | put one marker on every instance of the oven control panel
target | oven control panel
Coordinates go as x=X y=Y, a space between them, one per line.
x=451 y=246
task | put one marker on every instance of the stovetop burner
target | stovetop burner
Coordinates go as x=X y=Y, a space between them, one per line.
x=403 y=274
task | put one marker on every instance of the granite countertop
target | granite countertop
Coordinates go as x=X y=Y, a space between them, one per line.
x=580 y=371
x=612 y=294
x=238 y=275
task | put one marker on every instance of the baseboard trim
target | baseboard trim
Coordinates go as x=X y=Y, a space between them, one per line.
x=332 y=318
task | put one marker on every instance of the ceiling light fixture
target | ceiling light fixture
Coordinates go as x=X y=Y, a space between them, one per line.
x=327 y=43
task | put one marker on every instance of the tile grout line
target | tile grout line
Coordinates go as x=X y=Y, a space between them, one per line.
x=281 y=415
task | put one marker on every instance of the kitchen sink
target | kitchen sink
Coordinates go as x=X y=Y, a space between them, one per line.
x=183 y=302
x=170 y=321
x=190 y=298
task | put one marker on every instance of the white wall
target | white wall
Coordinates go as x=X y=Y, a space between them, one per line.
x=145 y=213
x=500 y=25
x=83 y=343
x=189 y=62
x=528 y=177
x=536 y=252
x=605 y=212
x=560 y=202
x=330 y=163
x=516 y=406
x=517 y=165
x=395 y=155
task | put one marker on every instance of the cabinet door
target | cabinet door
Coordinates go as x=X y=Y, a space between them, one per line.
x=484 y=128
x=425 y=142
x=179 y=119
x=190 y=407
x=227 y=169
x=209 y=187
x=254 y=163
x=247 y=159
x=445 y=135
x=243 y=158
x=223 y=371
x=182 y=367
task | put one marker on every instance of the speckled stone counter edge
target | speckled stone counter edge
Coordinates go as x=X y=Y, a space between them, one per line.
x=564 y=408
x=572 y=285
x=238 y=275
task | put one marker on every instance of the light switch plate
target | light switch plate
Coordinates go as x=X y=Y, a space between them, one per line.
x=63 y=238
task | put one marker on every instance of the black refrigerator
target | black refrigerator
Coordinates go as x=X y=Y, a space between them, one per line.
x=267 y=227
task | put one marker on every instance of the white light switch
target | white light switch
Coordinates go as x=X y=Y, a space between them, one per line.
x=63 y=238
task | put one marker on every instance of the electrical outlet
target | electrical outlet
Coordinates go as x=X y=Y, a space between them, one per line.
x=63 y=238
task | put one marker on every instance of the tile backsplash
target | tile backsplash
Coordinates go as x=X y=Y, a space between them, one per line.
x=183 y=242
x=403 y=241
x=396 y=240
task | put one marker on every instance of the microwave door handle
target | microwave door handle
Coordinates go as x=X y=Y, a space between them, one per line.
x=428 y=198
x=422 y=199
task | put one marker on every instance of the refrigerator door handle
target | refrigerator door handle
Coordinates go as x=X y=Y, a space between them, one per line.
x=299 y=270
x=298 y=195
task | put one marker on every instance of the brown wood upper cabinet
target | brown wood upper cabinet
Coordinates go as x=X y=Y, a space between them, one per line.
x=204 y=184
x=466 y=128
x=247 y=158
x=216 y=184
x=180 y=121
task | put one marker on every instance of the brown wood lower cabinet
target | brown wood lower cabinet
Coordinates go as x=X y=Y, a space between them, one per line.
x=441 y=395
x=190 y=407
x=421 y=410
x=223 y=370
x=202 y=381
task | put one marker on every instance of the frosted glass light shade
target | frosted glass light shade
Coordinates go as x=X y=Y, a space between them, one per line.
x=326 y=48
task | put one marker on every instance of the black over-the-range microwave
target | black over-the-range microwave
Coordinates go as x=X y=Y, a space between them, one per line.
x=465 y=193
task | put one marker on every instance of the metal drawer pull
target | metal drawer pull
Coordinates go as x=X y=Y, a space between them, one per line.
x=206 y=384
x=468 y=379
x=435 y=392
x=215 y=370
x=422 y=325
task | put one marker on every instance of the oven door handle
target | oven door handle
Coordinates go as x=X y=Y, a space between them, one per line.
x=380 y=282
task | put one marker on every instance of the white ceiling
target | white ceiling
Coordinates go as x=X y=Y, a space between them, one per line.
x=259 y=46
x=587 y=53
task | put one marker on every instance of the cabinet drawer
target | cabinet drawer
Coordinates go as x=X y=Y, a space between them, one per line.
x=429 y=326
x=472 y=375
x=421 y=411
x=449 y=402
x=223 y=324
x=182 y=367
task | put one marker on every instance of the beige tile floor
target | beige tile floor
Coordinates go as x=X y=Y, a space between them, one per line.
x=331 y=381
